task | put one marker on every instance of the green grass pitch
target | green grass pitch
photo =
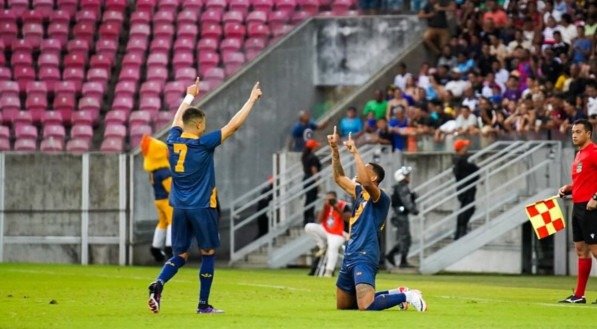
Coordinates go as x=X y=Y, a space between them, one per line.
x=109 y=297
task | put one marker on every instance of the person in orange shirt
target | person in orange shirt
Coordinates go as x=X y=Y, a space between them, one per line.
x=329 y=232
x=496 y=14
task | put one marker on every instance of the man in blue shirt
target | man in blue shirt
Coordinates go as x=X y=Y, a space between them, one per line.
x=193 y=195
x=355 y=288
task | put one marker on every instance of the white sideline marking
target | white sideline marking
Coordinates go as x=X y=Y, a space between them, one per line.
x=271 y=286
x=490 y=300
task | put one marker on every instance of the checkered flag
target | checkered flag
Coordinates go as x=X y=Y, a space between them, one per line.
x=546 y=217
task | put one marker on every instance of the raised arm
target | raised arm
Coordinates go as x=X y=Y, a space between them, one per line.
x=362 y=173
x=192 y=92
x=241 y=116
x=344 y=182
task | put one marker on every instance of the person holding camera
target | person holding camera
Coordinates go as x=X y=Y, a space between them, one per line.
x=329 y=231
x=403 y=203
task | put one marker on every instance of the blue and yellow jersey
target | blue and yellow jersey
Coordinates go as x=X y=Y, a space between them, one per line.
x=367 y=220
x=160 y=181
x=155 y=162
x=192 y=165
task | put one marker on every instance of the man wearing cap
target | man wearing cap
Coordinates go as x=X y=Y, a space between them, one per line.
x=403 y=203
x=311 y=166
x=465 y=191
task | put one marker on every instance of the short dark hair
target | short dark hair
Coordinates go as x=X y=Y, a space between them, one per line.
x=332 y=193
x=191 y=114
x=381 y=174
x=588 y=126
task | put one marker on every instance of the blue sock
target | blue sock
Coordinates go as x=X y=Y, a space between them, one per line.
x=170 y=268
x=383 y=301
x=206 y=275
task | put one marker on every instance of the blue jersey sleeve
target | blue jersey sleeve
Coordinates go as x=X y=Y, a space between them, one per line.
x=212 y=140
x=174 y=134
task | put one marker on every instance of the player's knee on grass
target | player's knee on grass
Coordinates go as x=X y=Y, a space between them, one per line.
x=345 y=301
x=365 y=296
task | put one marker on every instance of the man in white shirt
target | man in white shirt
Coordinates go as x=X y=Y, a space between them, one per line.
x=466 y=122
x=401 y=77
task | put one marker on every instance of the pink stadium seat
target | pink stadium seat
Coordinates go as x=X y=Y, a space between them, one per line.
x=112 y=145
x=11 y=106
x=168 y=5
x=137 y=45
x=117 y=5
x=91 y=5
x=187 y=16
x=37 y=105
x=21 y=59
x=78 y=47
x=36 y=88
x=52 y=145
x=235 y=30
x=23 y=119
x=74 y=74
x=259 y=31
x=256 y=17
x=217 y=5
x=136 y=133
x=45 y=7
x=163 y=31
x=33 y=33
x=141 y=31
x=98 y=75
x=48 y=60
x=233 y=16
x=140 y=17
x=185 y=75
x=278 y=18
x=341 y=7
x=51 y=47
x=82 y=118
x=52 y=118
x=207 y=60
x=90 y=104
x=93 y=89
x=115 y=130
x=140 y=118
x=61 y=16
x=150 y=89
x=9 y=88
x=26 y=131
x=125 y=89
x=21 y=46
x=24 y=74
x=33 y=16
x=133 y=60
x=310 y=6
x=161 y=119
x=281 y=30
x=207 y=44
x=64 y=103
x=4 y=132
x=187 y=31
x=77 y=146
x=58 y=31
x=184 y=44
x=8 y=27
x=55 y=131
x=25 y=145
x=214 y=75
x=4 y=145
x=129 y=74
x=240 y=5
x=160 y=47
x=182 y=59
x=74 y=61
x=173 y=92
x=116 y=117
x=65 y=87
x=84 y=31
x=211 y=17
x=69 y=6
x=262 y=5
x=19 y=6
x=211 y=30
x=159 y=74
x=253 y=46
x=5 y=73
x=157 y=59
x=101 y=61
x=193 y=5
x=299 y=16
x=150 y=104
x=106 y=46
x=122 y=104
x=230 y=45
x=233 y=61
x=145 y=5
x=287 y=6
x=82 y=132
x=113 y=16
x=163 y=17
x=50 y=76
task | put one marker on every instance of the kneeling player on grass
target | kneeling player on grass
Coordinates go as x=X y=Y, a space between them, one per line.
x=356 y=279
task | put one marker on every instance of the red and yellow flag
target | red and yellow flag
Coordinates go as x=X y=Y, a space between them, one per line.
x=546 y=217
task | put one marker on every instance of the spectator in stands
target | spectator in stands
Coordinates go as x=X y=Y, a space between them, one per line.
x=519 y=41
x=311 y=167
x=521 y=121
x=466 y=122
x=559 y=45
x=567 y=29
x=591 y=103
x=329 y=232
x=351 y=124
x=303 y=130
x=398 y=124
x=550 y=67
x=582 y=47
x=495 y=13
x=446 y=57
x=457 y=84
x=402 y=76
x=397 y=100
x=377 y=105
x=437 y=34
x=463 y=168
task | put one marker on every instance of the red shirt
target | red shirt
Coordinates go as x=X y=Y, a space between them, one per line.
x=584 y=174
x=333 y=222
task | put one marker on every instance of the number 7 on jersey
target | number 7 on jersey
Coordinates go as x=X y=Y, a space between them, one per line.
x=181 y=150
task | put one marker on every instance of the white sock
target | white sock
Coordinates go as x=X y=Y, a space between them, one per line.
x=169 y=236
x=158 y=237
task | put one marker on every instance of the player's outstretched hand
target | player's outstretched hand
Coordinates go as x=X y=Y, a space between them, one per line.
x=333 y=139
x=349 y=143
x=194 y=88
x=256 y=92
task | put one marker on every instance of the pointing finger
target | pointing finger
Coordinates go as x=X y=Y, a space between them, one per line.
x=334 y=130
x=350 y=136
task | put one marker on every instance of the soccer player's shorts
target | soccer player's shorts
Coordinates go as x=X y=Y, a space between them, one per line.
x=356 y=273
x=201 y=224
x=164 y=211
x=584 y=224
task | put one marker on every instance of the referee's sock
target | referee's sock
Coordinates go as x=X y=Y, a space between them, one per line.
x=584 y=270
x=206 y=275
x=384 y=301
x=170 y=268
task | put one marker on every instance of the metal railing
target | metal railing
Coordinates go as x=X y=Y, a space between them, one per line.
x=497 y=191
x=286 y=209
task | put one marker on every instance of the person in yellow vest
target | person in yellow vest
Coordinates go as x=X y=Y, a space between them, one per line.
x=155 y=162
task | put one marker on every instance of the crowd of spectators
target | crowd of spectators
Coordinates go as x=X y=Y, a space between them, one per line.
x=514 y=69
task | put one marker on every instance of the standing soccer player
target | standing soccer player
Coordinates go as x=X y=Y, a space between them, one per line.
x=584 y=212
x=355 y=288
x=193 y=194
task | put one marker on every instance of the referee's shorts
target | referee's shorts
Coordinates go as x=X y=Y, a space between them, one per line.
x=584 y=224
